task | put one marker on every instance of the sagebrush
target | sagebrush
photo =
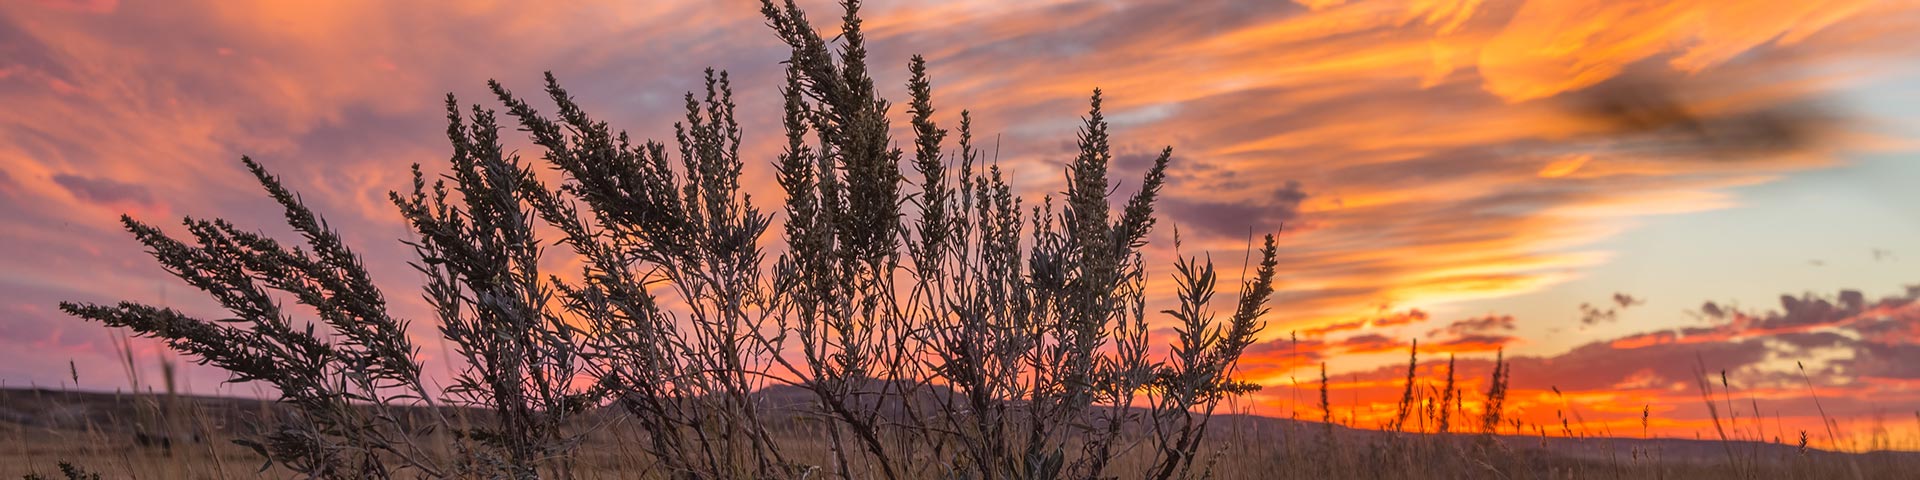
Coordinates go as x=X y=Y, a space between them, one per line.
x=939 y=325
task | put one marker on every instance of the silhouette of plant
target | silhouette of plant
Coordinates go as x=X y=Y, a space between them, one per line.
x=940 y=326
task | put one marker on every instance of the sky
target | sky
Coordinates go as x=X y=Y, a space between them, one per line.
x=1619 y=194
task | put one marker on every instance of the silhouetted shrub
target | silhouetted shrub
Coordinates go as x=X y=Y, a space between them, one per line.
x=942 y=327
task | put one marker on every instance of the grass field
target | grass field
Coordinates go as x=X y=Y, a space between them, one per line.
x=166 y=437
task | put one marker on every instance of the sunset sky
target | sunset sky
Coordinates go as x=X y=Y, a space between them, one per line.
x=1616 y=192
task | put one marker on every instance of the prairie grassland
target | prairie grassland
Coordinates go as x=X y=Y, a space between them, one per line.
x=160 y=436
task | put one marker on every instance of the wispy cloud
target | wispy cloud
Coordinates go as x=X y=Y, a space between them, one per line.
x=1854 y=353
x=1417 y=153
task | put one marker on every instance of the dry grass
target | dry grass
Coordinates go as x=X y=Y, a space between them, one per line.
x=113 y=435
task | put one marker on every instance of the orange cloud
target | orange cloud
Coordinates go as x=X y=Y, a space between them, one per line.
x=1603 y=388
x=1549 y=47
x=1417 y=153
